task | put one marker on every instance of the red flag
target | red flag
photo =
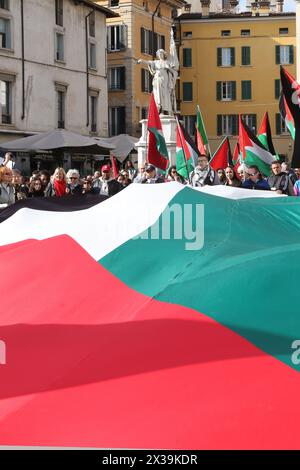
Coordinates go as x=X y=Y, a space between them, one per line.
x=157 y=148
x=222 y=156
x=236 y=159
x=114 y=166
x=199 y=142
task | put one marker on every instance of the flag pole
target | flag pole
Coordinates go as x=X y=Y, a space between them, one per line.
x=182 y=146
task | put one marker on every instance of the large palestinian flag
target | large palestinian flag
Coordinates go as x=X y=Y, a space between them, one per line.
x=253 y=152
x=186 y=152
x=161 y=318
x=265 y=135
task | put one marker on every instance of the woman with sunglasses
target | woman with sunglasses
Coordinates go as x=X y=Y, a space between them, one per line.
x=36 y=188
x=174 y=176
x=7 y=193
x=73 y=185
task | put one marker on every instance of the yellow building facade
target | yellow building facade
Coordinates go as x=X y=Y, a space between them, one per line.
x=130 y=38
x=230 y=65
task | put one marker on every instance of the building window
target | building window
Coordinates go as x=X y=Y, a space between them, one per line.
x=277 y=84
x=250 y=120
x=284 y=55
x=92 y=55
x=146 y=79
x=59 y=12
x=245 y=32
x=114 y=3
x=225 y=56
x=226 y=32
x=144 y=113
x=187 y=89
x=145 y=5
x=187 y=57
x=59 y=47
x=246 y=55
x=5 y=33
x=116 y=78
x=92 y=24
x=226 y=91
x=4 y=4
x=61 y=99
x=6 y=101
x=189 y=123
x=116 y=38
x=151 y=43
x=117 y=120
x=227 y=124
x=246 y=90
x=283 y=31
x=93 y=111
x=187 y=34
x=281 y=127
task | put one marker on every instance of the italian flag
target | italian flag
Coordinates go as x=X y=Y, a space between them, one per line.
x=119 y=335
x=186 y=152
x=222 y=157
x=157 y=148
x=265 y=135
x=252 y=150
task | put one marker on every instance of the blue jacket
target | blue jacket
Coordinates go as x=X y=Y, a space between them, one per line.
x=259 y=184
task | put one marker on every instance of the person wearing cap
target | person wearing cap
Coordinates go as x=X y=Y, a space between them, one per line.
x=151 y=176
x=105 y=185
x=204 y=174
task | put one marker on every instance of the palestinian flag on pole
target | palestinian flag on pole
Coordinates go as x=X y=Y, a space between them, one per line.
x=252 y=150
x=222 y=157
x=201 y=135
x=157 y=148
x=265 y=135
x=107 y=343
x=290 y=110
x=186 y=152
x=236 y=159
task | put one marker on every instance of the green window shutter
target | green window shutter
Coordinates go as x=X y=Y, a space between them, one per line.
x=246 y=90
x=187 y=91
x=277 y=54
x=234 y=124
x=142 y=40
x=219 y=91
x=219 y=124
x=291 y=54
x=233 y=88
x=143 y=79
x=187 y=57
x=219 y=56
x=232 y=52
x=277 y=88
x=246 y=60
x=278 y=123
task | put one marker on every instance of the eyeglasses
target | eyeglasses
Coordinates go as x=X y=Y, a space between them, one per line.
x=252 y=174
x=73 y=178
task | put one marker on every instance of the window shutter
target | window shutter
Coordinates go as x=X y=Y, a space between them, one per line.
x=187 y=91
x=219 y=84
x=163 y=42
x=246 y=90
x=155 y=44
x=278 y=123
x=291 y=54
x=109 y=38
x=233 y=88
x=246 y=55
x=143 y=79
x=219 y=56
x=187 y=57
x=142 y=40
x=122 y=78
x=219 y=124
x=277 y=54
x=277 y=88
x=121 y=120
x=150 y=42
x=122 y=35
x=232 y=53
x=234 y=124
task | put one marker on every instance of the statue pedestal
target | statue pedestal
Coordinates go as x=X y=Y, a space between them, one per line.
x=169 y=130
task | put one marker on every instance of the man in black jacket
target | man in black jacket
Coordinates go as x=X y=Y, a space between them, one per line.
x=279 y=181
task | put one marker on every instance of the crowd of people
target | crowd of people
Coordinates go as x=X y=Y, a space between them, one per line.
x=14 y=186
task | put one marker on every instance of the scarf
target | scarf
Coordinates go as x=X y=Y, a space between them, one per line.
x=199 y=176
x=59 y=187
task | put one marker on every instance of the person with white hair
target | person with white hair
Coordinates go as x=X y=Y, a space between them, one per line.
x=73 y=183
